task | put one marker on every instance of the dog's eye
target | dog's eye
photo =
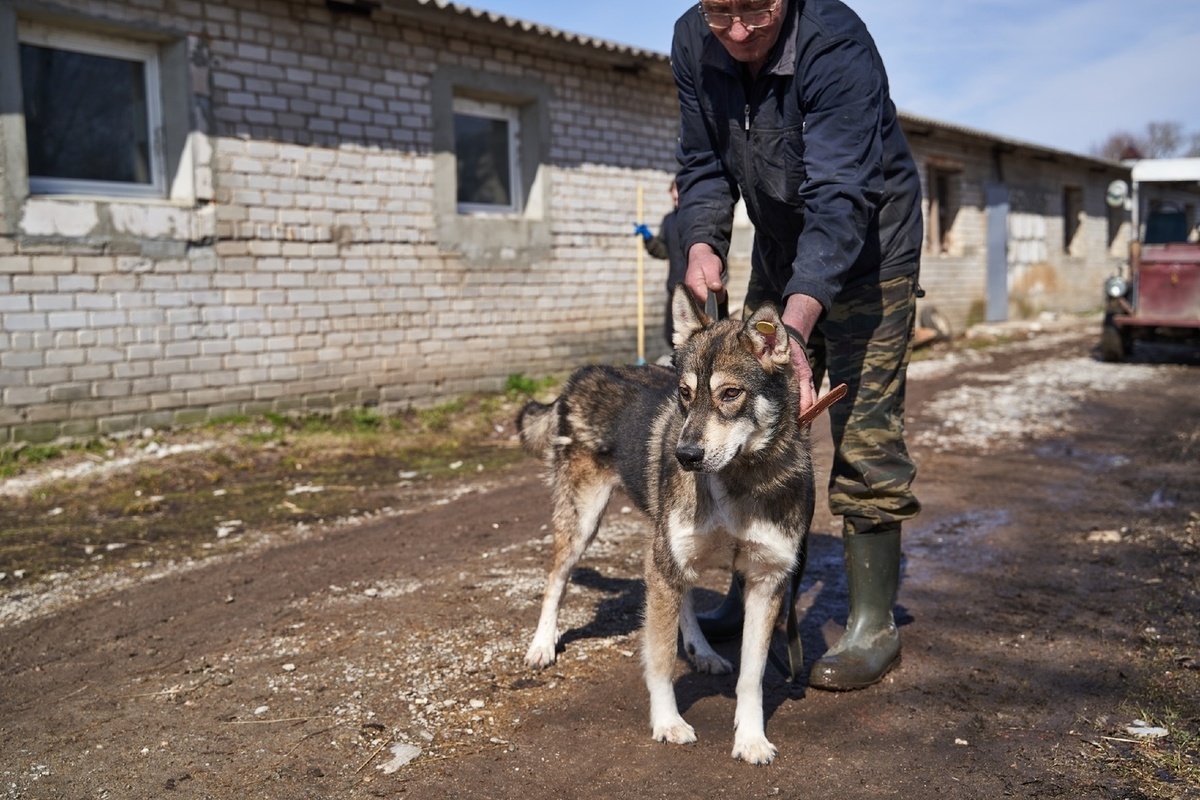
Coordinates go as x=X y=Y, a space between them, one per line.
x=732 y=393
x=685 y=394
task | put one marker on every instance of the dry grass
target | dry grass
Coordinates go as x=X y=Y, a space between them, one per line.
x=253 y=474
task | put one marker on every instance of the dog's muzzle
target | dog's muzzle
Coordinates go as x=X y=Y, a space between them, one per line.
x=691 y=456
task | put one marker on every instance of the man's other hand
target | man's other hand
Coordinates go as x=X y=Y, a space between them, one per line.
x=704 y=273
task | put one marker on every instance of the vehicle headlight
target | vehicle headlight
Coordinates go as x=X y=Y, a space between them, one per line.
x=1115 y=287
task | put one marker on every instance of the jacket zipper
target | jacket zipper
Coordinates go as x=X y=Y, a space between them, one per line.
x=747 y=166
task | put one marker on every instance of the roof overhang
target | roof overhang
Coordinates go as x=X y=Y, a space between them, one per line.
x=1166 y=170
x=622 y=58
x=915 y=124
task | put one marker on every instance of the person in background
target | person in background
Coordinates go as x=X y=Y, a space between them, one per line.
x=668 y=245
x=786 y=104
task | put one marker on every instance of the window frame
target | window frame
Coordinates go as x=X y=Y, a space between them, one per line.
x=98 y=44
x=485 y=239
x=484 y=109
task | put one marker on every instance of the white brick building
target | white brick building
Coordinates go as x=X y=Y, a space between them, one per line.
x=289 y=223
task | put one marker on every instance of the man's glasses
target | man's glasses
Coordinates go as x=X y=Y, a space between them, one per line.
x=750 y=18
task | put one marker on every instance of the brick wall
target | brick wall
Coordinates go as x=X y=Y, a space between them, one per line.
x=1042 y=276
x=324 y=281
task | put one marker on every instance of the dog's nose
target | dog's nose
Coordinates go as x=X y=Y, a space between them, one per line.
x=690 y=455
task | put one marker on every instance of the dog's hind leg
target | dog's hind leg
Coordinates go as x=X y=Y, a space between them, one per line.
x=763 y=598
x=703 y=657
x=579 y=504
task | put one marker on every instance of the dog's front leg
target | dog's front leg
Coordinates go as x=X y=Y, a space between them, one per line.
x=762 y=600
x=658 y=654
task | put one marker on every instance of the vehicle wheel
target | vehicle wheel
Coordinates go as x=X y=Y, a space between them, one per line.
x=932 y=318
x=1113 y=346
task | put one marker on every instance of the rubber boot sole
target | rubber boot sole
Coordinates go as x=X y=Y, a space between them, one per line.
x=844 y=685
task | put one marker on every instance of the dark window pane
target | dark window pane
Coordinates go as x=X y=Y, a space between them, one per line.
x=481 y=146
x=85 y=116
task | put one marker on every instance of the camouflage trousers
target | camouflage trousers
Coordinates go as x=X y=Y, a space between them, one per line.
x=864 y=342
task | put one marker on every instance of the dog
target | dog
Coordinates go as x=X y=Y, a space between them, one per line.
x=714 y=453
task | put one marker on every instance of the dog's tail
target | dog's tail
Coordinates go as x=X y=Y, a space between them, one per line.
x=538 y=426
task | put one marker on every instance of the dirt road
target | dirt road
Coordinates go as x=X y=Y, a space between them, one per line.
x=1049 y=602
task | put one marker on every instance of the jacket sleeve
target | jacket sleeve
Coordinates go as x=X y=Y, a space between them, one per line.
x=656 y=246
x=842 y=95
x=707 y=193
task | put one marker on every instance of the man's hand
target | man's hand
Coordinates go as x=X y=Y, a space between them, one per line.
x=804 y=377
x=642 y=231
x=801 y=314
x=703 y=273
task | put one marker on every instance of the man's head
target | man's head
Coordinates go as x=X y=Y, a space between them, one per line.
x=747 y=28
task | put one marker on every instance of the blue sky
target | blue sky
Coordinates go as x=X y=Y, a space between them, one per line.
x=1060 y=73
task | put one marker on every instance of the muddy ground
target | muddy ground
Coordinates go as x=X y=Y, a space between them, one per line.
x=1049 y=608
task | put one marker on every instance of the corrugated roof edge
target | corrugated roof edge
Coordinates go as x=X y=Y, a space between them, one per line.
x=917 y=119
x=547 y=31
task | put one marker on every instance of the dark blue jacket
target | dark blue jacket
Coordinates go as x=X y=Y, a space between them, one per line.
x=812 y=143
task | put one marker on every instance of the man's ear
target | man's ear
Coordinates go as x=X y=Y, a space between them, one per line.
x=768 y=338
x=688 y=318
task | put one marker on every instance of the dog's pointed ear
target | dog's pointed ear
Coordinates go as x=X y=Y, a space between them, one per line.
x=768 y=338
x=687 y=317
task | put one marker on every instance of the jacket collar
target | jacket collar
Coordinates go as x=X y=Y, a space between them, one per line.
x=782 y=59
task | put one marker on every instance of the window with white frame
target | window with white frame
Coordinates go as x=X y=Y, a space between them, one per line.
x=487 y=151
x=491 y=165
x=93 y=115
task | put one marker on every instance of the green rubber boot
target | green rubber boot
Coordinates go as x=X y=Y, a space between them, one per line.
x=725 y=621
x=871 y=644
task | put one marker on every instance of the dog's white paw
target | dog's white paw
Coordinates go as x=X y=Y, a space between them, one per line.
x=712 y=664
x=754 y=749
x=539 y=656
x=675 y=731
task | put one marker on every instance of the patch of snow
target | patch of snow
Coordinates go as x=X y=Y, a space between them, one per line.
x=401 y=754
x=21 y=485
x=1029 y=403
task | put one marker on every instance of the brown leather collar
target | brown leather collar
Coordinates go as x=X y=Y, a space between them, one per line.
x=831 y=397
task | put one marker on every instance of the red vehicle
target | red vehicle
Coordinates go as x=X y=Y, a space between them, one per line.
x=1159 y=297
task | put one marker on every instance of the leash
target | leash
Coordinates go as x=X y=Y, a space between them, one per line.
x=711 y=308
